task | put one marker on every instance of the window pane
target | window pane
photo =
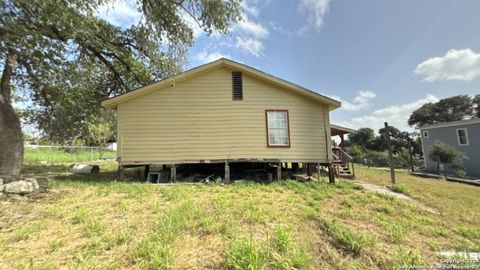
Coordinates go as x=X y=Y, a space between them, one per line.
x=462 y=136
x=277 y=128
x=277 y=119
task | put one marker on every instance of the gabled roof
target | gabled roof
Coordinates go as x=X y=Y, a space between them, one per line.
x=452 y=124
x=112 y=103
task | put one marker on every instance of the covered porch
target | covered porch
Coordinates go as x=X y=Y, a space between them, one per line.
x=342 y=162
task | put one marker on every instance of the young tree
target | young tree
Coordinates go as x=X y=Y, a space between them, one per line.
x=445 y=154
x=42 y=39
x=102 y=128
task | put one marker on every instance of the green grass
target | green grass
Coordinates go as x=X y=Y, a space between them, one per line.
x=400 y=188
x=344 y=237
x=58 y=155
x=93 y=222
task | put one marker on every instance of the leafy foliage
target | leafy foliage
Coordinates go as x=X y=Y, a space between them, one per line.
x=449 y=109
x=362 y=137
x=68 y=59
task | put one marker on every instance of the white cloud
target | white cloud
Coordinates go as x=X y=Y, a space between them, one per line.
x=396 y=116
x=250 y=34
x=122 y=13
x=361 y=101
x=315 y=11
x=205 y=57
x=462 y=65
x=251 y=9
x=251 y=28
x=250 y=45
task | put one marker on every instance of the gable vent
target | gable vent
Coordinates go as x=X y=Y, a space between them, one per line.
x=237 y=86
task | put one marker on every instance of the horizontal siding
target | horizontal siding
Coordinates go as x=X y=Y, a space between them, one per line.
x=197 y=120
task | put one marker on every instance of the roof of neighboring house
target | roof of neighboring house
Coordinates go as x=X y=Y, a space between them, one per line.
x=337 y=130
x=112 y=103
x=452 y=124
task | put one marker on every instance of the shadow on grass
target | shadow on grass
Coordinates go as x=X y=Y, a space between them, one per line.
x=97 y=178
x=45 y=169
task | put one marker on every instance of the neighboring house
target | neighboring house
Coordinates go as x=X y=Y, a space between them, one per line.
x=463 y=135
x=222 y=112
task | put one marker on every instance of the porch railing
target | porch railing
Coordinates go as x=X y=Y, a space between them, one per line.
x=343 y=158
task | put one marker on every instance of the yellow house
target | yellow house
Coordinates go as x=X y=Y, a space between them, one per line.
x=222 y=112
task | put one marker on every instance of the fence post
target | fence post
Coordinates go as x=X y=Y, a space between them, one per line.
x=390 y=154
x=409 y=141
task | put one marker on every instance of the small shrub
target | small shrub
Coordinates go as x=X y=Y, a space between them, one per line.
x=460 y=173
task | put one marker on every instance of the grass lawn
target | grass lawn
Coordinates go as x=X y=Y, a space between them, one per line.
x=58 y=155
x=91 y=222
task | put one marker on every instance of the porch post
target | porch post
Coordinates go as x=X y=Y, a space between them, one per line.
x=173 y=173
x=227 y=173
x=279 y=171
x=121 y=173
x=146 y=171
x=331 y=174
x=318 y=171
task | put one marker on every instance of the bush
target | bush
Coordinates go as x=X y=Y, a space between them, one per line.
x=377 y=158
x=357 y=153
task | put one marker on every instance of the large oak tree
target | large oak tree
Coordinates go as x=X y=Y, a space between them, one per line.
x=48 y=47
x=448 y=109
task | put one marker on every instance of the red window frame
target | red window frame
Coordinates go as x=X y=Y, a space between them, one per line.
x=288 y=129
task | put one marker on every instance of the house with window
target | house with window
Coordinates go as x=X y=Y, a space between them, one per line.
x=463 y=135
x=223 y=112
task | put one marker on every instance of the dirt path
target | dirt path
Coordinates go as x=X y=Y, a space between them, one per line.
x=382 y=190
x=386 y=191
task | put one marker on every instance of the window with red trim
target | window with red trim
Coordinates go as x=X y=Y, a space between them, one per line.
x=277 y=128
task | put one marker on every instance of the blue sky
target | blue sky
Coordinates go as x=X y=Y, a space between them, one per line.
x=382 y=59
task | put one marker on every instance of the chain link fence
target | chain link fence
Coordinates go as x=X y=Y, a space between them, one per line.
x=52 y=154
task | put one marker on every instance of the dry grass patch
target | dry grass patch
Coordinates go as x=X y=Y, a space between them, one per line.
x=91 y=222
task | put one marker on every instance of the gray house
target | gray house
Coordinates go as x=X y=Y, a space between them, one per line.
x=463 y=135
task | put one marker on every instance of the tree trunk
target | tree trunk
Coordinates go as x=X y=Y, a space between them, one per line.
x=11 y=137
x=445 y=171
x=438 y=168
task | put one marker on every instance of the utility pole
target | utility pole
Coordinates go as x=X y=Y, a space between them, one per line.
x=390 y=154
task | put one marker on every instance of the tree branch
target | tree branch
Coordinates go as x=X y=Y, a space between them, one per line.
x=5 y=87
